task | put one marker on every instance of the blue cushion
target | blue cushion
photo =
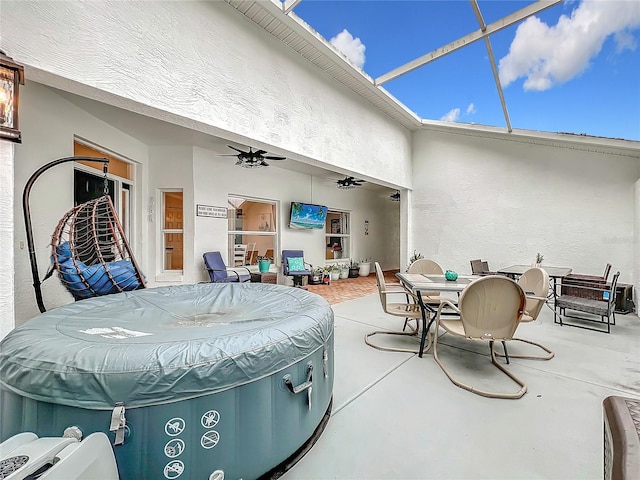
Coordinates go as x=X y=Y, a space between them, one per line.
x=295 y=264
x=75 y=275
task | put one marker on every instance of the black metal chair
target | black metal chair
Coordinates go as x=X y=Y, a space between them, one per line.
x=294 y=266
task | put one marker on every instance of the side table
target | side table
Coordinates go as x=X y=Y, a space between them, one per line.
x=266 y=277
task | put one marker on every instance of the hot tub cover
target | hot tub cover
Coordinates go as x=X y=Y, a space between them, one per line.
x=155 y=346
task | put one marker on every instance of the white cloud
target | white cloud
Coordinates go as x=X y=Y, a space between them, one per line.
x=451 y=116
x=547 y=55
x=350 y=47
x=454 y=114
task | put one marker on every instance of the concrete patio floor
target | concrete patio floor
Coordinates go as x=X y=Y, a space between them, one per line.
x=397 y=416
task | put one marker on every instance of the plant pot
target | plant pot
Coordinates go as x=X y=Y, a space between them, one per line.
x=344 y=273
x=315 y=279
x=335 y=275
x=326 y=279
x=264 y=265
x=353 y=272
x=364 y=269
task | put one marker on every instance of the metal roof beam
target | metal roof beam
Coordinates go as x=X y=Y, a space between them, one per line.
x=494 y=27
x=289 y=5
x=494 y=68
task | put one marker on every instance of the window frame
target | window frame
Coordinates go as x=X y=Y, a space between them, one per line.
x=346 y=237
x=163 y=231
x=233 y=233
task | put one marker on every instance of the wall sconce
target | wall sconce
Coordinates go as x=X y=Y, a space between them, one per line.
x=11 y=77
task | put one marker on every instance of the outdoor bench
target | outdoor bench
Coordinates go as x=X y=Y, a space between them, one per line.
x=587 y=295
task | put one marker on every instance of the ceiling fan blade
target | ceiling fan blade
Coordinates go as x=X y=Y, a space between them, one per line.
x=263 y=163
x=271 y=157
x=236 y=149
x=260 y=152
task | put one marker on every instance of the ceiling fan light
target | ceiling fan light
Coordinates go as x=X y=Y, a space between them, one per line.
x=250 y=164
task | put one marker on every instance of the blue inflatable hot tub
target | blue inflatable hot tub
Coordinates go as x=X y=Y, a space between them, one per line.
x=186 y=380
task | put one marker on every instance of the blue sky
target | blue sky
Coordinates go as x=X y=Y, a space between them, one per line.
x=574 y=67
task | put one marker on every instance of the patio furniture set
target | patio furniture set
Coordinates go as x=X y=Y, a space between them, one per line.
x=490 y=307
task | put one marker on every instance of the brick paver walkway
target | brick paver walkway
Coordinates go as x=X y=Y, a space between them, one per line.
x=350 y=288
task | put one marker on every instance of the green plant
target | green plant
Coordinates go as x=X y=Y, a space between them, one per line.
x=415 y=256
x=539 y=257
x=364 y=260
x=261 y=257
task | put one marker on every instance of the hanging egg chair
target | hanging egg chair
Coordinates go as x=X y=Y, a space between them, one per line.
x=91 y=254
x=89 y=249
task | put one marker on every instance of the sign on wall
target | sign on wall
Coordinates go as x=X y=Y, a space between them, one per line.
x=211 y=211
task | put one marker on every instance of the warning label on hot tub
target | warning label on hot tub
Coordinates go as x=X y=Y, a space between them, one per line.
x=210 y=419
x=209 y=439
x=173 y=469
x=174 y=427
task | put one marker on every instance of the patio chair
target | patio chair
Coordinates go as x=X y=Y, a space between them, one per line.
x=476 y=267
x=596 y=298
x=490 y=310
x=535 y=284
x=427 y=266
x=424 y=265
x=294 y=266
x=219 y=273
x=480 y=267
x=409 y=310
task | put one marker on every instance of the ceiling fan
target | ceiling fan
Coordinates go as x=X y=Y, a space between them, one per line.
x=251 y=159
x=395 y=197
x=349 y=182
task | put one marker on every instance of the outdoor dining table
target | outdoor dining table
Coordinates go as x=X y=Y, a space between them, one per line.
x=555 y=273
x=426 y=282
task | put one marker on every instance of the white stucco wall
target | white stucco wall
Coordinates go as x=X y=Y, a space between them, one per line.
x=48 y=123
x=7 y=311
x=636 y=245
x=171 y=168
x=504 y=201
x=205 y=66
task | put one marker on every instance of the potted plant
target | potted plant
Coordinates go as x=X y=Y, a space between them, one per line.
x=335 y=273
x=326 y=275
x=316 y=276
x=353 y=269
x=344 y=270
x=364 y=267
x=539 y=258
x=414 y=257
x=264 y=263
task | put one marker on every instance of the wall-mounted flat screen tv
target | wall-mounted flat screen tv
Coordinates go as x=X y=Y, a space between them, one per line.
x=307 y=215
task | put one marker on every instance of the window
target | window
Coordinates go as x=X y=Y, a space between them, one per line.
x=337 y=237
x=172 y=230
x=252 y=230
x=88 y=183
